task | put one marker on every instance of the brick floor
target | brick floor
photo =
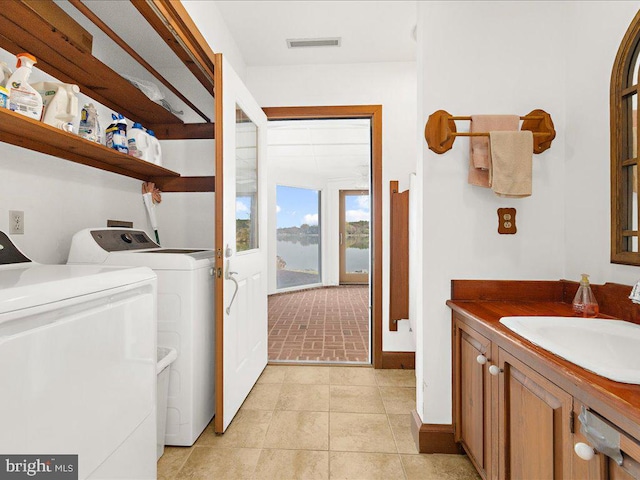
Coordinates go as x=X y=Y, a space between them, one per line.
x=328 y=324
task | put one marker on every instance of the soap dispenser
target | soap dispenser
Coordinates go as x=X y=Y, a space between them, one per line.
x=584 y=303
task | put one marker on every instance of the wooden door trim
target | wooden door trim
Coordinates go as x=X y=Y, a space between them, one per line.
x=344 y=277
x=374 y=113
x=218 y=423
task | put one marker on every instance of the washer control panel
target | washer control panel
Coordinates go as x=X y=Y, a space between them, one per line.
x=117 y=240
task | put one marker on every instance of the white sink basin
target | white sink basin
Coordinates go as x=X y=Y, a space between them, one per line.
x=607 y=347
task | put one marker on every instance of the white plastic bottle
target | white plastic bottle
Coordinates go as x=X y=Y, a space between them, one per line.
x=23 y=98
x=5 y=74
x=156 y=152
x=139 y=142
x=60 y=101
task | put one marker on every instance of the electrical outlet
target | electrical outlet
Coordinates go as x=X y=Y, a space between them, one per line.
x=16 y=222
x=507 y=221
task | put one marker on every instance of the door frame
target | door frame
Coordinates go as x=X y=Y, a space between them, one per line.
x=218 y=419
x=345 y=278
x=374 y=113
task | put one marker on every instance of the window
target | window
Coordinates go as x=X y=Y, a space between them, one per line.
x=624 y=149
x=298 y=237
x=246 y=182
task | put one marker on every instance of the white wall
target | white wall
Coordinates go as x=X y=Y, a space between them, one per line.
x=213 y=28
x=187 y=220
x=393 y=85
x=59 y=198
x=485 y=57
x=592 y=45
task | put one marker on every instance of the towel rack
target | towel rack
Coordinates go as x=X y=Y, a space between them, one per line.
x=440 y=131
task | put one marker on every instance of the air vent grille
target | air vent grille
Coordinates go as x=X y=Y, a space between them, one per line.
x=314 y=42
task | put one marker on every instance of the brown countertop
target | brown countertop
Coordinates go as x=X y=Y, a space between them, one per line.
x=618 y=402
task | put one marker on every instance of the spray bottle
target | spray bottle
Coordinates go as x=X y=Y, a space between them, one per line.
x=584 y=303
x=23 y=98
x=60 y=103
x=116 y=134
x=89 y=127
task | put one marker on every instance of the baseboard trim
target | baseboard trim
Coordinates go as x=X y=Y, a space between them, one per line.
x=433 y=438
x=405 y=360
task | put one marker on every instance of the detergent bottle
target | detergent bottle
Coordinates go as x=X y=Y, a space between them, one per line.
x=5 y=73
x=89 y=126
x=139 y=142
x=155 y=155
x=60 y=103
x=23 y=98
x=116 y=134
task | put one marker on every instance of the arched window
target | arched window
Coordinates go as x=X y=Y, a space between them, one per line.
x=625 y=89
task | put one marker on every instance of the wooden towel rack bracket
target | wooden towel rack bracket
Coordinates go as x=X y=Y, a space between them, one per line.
x=440 y=131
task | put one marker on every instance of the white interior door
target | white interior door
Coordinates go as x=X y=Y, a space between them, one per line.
x=244 y=248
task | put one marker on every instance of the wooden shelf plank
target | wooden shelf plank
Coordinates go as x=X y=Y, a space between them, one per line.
x=60 y=58
x=185 y=184
x=27 y=133
x=186 y=131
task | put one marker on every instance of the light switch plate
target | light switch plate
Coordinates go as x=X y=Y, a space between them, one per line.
x=507 y=221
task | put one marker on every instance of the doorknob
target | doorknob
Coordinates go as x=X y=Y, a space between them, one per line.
x=481 y=359
x=584 y=451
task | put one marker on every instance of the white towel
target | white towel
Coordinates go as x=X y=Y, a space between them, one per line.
x=635 y=293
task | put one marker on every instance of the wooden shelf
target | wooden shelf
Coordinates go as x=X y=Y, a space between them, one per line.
x=27 y=133
x=59 y=57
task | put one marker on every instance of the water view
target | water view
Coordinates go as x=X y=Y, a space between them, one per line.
x=298 y=237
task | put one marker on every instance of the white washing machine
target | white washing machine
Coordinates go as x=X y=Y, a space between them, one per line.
x=78 y=366
x=185 y=317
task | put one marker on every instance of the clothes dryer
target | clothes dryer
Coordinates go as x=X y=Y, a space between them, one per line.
x=77 y=367
x=185 y=317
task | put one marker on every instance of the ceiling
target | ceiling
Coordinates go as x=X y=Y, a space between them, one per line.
x=326 y=150
x=371 y=31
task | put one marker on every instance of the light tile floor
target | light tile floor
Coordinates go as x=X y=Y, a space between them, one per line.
x=317 y=422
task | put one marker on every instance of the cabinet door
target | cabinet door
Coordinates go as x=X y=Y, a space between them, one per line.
x=535 y=424
x=472 y=396
x=601 y=467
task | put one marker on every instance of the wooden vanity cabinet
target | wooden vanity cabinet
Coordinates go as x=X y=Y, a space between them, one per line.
x=517 y=414
x=535 y=425
x=513 y=423
x=472 y=396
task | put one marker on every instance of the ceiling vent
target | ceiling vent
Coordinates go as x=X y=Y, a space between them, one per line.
x=314 y=42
